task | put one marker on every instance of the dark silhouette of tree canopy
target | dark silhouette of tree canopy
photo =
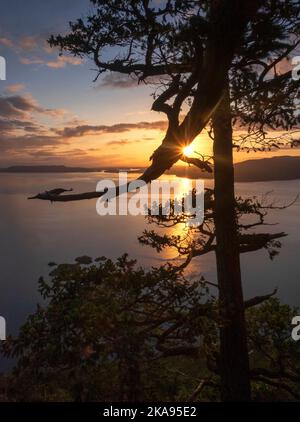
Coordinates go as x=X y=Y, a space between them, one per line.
x=112 y=331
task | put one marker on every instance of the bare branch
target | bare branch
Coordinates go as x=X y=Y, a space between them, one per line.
x=257 y=300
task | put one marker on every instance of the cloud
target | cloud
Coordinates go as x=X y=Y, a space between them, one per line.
x=20 y=106
x=7 y=42
x=25 y=43
x=21 y=143
x=69 y=132
x=11 y=125
x=122 y=142
x=13 y=89
x=23 y=139
x=33 y=60
x=59 y=63
x=40 y=52
x=53 y=153
x=17 y=106
x=54 y=112
x=29 y=43
x=116 y=80
x=21 y=132
x=119 y=81
x=62 y=61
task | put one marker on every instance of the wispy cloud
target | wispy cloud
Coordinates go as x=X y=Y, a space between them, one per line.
x=21 y=130
x=34 y=50
x=62 y=61
x=14 y=88
x=116 y=80
x=25 y=43
x=122 y=142
x=22 y=143
x=20 y=106
x=32 y=60
x=29 y=43
x=12 y=125
x=70 y=132
x=120 y=81
x=6 y=42
x=58 y=63
x=47 y=153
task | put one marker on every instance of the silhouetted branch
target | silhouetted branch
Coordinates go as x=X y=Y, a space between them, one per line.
x=201 y=164
x=257 y=300
x=256 y=241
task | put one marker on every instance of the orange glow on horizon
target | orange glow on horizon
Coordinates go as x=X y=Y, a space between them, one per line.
x=133 y=149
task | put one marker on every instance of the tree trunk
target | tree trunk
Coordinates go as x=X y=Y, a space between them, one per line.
x=234 y=361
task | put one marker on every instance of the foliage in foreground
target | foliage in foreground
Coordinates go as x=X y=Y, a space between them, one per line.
x=112 y=331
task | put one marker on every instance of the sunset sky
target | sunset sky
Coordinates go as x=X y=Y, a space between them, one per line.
x=51 y=112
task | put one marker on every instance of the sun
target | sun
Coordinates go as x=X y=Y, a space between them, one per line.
x=188 y=150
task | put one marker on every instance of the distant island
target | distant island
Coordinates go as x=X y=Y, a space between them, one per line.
x=275 y=168
x=260 y=170
x=266 y=169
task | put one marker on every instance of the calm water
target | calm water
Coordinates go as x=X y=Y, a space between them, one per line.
x=34 y=233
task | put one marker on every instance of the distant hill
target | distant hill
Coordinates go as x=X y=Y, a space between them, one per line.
x=275 y=168
x=266 y=169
